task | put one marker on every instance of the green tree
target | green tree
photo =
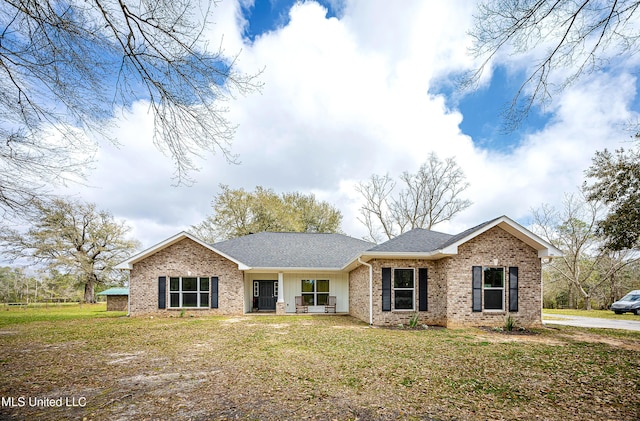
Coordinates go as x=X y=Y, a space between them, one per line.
x=237 y=212
x=13 y=285
x=73 y=237
x=616 y=179
x=428 y=197
x=66 y=68
x=563 y=40
x=58 y=286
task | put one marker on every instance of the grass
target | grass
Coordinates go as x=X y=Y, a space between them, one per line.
x=54 y=312
x=601 y=314
x=312 y=367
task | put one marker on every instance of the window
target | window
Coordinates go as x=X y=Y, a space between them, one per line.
x=493 y=288
x=315 y=292
x=188 y=292
x=403 y=289
x=256 y=288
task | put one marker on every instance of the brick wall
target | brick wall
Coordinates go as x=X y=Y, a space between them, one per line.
x=495 y=247
x=185 y=258
x=450 y=287
x=359 y=293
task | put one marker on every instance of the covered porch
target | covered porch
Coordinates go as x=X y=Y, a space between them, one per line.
x=276 y=292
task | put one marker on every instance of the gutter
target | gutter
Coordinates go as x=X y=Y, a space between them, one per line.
x=370 y=289
x=129 y=296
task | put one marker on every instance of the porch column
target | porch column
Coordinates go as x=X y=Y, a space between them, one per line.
x=280 y=287
x=280 y=305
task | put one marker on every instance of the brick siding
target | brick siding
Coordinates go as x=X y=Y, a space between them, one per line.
x=185 y=258
x=495 y=247
x=450 y=287
x=359 y=293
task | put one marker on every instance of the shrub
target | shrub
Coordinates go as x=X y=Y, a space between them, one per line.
x=509 y=324
x=413 y=321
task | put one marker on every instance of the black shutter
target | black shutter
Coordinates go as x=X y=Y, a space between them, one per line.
x=214 y=292
x=162 y=292
x=422 y=289
x=477 y=288
x=513 y=289
x=386 y=289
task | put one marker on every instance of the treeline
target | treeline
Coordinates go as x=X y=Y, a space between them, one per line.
x=16 y=286
x=559 y=293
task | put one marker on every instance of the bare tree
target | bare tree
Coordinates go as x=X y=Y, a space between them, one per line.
x=428 y=197
x=67 y=67
x=376 y=211
x=73 y=237
x=586 y=266
x=568 y=39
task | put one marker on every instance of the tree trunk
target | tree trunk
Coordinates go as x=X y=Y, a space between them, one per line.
x=88 y=291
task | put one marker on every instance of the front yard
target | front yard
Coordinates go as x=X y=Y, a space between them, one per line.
x=307 y=367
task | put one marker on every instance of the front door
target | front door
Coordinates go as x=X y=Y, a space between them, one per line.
x=266 y=295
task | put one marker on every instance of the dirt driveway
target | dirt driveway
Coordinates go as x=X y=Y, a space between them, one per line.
x=579 y=321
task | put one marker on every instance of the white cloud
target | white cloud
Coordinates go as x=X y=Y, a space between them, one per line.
x=345 y=98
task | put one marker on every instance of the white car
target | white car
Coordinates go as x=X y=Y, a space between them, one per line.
x=630 y=303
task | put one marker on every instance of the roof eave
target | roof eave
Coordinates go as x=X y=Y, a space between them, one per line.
x=293 y=269
x=428 y=255
x=544 y=248
x=128 y=264
x=124 y=266
x=550 y=254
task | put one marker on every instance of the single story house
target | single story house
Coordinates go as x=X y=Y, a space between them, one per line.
x=117 y=298
x=476 y=277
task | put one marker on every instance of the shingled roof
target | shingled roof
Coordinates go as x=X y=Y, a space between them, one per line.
x=455 y=238
x=294 y=250
x=418 y=240
x=320 y=251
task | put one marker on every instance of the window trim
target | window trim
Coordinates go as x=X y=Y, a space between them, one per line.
x=180 y=291
x=394 y=289
x=503 y=295
x=315 y=291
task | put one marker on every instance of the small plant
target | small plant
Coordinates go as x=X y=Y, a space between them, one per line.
x=509 y=324
x=413 y=321
x=182 y=313
x=407 y=382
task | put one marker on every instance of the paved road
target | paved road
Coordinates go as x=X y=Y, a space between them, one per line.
x=560 y=319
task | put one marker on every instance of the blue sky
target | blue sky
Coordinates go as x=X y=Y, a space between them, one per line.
x=268 y=15
x=482 y=108
x=356 y=87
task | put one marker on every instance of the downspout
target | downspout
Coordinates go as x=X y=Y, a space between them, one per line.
x=129 y=296
x=370 y=290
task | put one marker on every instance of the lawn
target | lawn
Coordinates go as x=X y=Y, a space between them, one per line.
x=601 y=314
x=307 y=367
x=54 y=312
